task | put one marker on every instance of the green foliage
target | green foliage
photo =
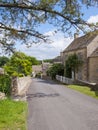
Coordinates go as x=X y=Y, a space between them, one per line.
x=12 y=115
x=33 y=60
x=20 y=64
x=55 y=69
x=48 y=60
x=84 y=89
x=5 y=84
x=72 y=64
x=21 y=19
x=38 y=75
x=3 y=60
x=68 y=69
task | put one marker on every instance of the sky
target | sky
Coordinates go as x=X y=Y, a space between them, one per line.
x=50 y=51
x=45 y=50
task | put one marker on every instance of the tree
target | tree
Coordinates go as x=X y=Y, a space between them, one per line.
x=3 y=60
x=33 y=60
x=55 y=69
x=48 y=60
x=19 y=64
x=5 y=84
x=20 y=19
x=72 y=64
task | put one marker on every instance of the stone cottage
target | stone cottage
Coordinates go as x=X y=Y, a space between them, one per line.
x=36 y=69
x=57 y=60
x=86 y=48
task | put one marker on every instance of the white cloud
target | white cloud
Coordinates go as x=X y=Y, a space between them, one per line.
x=47 y=51
x=93 y=19
x=51 y=33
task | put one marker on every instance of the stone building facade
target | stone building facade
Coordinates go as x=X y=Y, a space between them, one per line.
x=86 y=47
x=36 y=69
x=45 y=67
x=93 y=67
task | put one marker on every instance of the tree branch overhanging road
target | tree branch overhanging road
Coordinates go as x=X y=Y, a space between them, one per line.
x=21 y=19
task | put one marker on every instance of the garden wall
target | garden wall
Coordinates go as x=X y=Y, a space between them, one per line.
x=20 y=85
x=23 y=84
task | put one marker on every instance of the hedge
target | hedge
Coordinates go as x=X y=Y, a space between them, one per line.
x=5 y=84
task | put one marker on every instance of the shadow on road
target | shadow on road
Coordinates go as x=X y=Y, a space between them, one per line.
x=48 y=81
x=41 y=95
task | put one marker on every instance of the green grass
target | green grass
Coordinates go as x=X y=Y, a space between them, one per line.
x=12 y=115
x=84 y=89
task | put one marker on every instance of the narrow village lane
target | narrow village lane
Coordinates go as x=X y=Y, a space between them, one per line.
x=52 y=106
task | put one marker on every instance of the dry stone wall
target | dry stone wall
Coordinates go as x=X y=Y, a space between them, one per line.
x=20 y=85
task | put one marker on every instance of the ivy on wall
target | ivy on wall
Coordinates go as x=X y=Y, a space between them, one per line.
x=72 y=64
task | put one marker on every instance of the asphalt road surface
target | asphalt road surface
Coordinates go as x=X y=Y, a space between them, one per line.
x=52 y=106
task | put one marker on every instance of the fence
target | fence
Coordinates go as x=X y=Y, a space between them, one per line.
x=64 y=79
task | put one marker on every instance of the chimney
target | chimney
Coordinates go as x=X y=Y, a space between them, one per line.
x=76 y=35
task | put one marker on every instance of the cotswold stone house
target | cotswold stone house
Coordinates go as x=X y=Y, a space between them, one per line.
x=86 y=47
x=57 y=60
x=42 y=69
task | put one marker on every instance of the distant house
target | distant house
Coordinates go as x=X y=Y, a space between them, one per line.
x=42 y=69
x=86 y=47
x=45 y=67
x=57 y=59
x=36 y=69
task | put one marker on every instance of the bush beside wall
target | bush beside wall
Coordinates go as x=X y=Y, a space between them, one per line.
x=5 y=84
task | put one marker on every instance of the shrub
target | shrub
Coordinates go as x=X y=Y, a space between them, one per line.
x=72 y=64
x=5 y=84
x=38 y=75
x=55 y=69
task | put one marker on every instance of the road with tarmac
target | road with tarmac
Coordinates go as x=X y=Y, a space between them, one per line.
x=52 y=106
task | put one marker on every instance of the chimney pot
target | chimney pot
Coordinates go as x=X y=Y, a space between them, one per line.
x=76 y=35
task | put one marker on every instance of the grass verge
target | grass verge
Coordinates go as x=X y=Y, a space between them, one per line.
x=84 y=89
x=12 y=115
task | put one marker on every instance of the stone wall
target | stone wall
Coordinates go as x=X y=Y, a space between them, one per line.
x=20 y=85
x=14 y=86
x=93 y=69
x=23 y=84
x=92 y=86
x=82 y=73
x=92 y=46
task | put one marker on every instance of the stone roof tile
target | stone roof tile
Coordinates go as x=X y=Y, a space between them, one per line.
x=81 y=42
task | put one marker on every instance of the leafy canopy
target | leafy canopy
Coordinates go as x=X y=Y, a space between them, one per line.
x=3 y=60
x=20 y=19
x=20 y=64
x=55 y=69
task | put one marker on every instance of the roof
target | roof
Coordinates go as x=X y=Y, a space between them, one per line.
x=37 y=68
x=81 y=42
x=95 y=53
x=57 y=59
